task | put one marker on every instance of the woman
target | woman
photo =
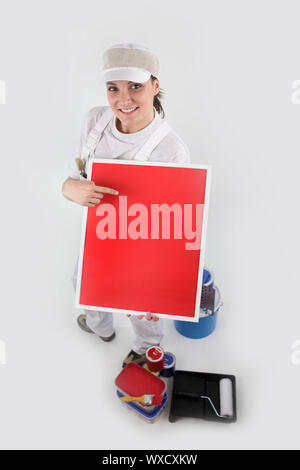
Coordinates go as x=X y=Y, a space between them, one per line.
x=130 y=128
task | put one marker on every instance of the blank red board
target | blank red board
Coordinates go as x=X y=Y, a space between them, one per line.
x=130 y=261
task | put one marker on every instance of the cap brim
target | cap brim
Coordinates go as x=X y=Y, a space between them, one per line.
x=131 y=74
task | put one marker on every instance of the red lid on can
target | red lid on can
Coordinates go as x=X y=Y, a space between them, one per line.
x=155 y=353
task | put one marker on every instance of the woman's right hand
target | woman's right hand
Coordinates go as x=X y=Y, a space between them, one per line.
x=85 y=193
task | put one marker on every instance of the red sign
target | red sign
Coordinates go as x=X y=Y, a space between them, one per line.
x=142 y=250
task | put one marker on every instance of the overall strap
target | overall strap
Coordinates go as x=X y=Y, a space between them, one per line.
x=146 y=150
x=95 y=134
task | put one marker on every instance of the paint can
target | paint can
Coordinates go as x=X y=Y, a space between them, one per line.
x=155 y=358
x=169 y=365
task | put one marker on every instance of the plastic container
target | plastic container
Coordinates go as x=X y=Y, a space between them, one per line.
x=134 y=380
x=206 y=323
x=149 y=417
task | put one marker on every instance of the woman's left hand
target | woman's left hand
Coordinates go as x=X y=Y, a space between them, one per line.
x=148 y=316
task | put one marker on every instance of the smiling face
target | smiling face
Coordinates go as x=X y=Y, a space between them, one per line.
x=137 y=98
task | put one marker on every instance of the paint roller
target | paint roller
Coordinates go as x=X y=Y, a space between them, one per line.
x=226 y=398
x=226 y=401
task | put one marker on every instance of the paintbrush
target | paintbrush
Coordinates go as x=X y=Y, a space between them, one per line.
x=145 y=399
x=81 y=166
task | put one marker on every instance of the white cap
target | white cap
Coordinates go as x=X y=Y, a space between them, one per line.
x=129 y=61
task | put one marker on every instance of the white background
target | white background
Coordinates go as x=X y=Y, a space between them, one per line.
x=227 y=68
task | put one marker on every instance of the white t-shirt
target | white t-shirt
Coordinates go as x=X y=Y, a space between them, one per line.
x=116 y=144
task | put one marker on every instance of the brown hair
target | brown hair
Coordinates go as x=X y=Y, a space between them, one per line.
x=156 y=101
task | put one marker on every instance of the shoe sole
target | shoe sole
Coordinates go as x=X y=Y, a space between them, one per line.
x=109 y=338
x=86 y=329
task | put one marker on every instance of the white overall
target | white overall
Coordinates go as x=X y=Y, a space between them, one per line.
x=147 y=332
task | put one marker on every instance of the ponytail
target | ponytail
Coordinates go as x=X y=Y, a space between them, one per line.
x=156 y=101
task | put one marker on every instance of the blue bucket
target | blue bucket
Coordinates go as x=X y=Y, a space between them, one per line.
x=206 y=324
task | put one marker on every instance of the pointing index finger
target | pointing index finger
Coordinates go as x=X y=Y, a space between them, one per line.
x=103 y=189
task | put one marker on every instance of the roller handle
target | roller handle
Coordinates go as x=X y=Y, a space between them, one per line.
x=188 y=395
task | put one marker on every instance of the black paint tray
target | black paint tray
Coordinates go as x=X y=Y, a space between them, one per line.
x=188 y=387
